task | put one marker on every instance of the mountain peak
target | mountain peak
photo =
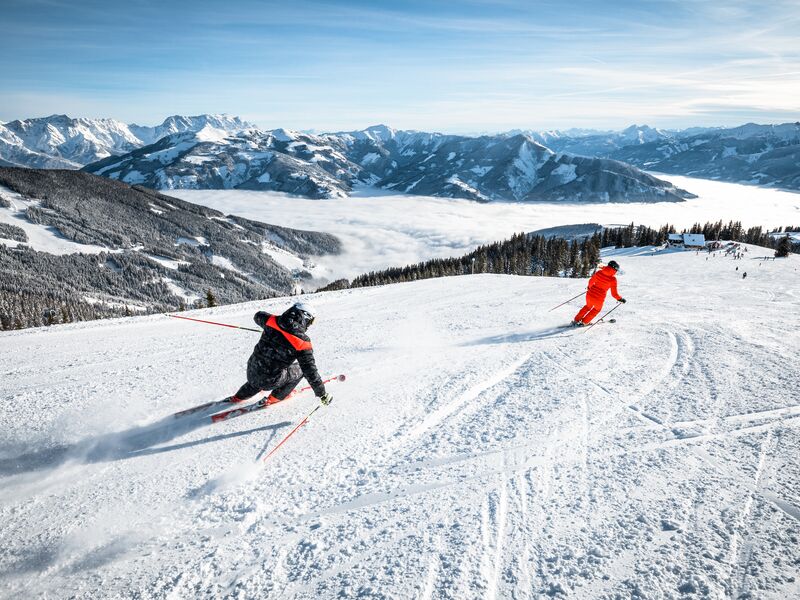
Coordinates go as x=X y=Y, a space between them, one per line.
x=634 y=128
x=284 y=135
x=209 y=133
x=380 y=132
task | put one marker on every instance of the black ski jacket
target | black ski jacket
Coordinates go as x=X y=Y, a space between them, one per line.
x=284 y=340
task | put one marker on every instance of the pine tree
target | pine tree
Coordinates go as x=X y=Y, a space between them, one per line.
x=784 y=247
x=211 y=299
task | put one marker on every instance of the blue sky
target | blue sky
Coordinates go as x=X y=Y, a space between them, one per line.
x=469 y=66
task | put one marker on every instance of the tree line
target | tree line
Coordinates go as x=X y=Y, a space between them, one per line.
x=537 y=255
x=523 y=254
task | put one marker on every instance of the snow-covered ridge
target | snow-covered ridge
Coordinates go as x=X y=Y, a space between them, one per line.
x=39 y=237
x=476 y=449
x=327 y=165
x=132 y=246
x=766 y=155
x=513 y=168
x=59 y=141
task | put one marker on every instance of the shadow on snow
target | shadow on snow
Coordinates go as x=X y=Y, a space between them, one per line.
x=517 y=338
x=137 y=441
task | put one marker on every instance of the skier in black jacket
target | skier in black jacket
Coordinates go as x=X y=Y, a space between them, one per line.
x=282 y=357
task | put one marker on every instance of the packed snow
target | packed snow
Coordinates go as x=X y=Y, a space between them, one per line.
x=380 y=229
x=477 y=450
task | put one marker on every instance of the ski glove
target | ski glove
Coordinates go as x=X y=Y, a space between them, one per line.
x=623 y=300
x=326 y=398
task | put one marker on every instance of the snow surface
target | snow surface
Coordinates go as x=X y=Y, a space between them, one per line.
x=225 y=263
x=370 y=158
x=170 y=263
x=565 y=172
x=180 y=291
x=381 y=230
x=282 y=257
x=476 y=450
x=209 y=133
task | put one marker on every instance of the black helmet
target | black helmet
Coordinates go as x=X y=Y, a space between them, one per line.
x=614 y=265
x=301 y=313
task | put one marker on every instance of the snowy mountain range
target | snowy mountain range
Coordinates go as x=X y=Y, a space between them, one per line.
x=212 y=158
x=61 y=142
x=223 y=152
x=89 y=245
x=597 y=143
x=513 y=168
x=755 y=154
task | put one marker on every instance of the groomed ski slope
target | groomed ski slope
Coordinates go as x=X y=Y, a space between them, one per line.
x=476 y=451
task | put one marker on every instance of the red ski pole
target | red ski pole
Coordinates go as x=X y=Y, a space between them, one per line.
x=603 y=317
x=308 y=387
x=291 y=433
x=563 y=303
x=213 y=323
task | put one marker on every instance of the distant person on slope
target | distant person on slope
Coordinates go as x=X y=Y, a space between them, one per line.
x=599 y=284
x=282 y=357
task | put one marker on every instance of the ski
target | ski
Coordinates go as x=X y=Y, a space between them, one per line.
x=261 y=404
x=572 y=330
x=200 y=407
x=242 y=410
x=571 y=326
x=601 y=321
x=224 y=401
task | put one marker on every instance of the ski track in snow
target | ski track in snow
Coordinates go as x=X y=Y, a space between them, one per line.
x=474 y=451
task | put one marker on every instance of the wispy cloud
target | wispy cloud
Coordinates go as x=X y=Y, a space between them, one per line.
x=474 y=65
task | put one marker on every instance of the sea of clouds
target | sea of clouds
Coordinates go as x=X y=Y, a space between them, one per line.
x=380 y=230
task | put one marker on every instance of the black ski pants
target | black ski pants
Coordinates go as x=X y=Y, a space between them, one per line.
x=281 y=384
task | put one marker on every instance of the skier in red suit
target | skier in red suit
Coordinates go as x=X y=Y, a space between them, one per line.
x=599 y=284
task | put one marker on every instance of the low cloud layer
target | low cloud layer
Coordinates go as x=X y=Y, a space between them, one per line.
x=394 y=230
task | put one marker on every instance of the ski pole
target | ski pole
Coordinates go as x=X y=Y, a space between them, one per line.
x=213 y=323
x=308 y=387
x=603 y=317
x=291 y=433
x=563 y=303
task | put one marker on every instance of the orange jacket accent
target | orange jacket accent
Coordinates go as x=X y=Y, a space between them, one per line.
x=295 y=341
x=601 y=281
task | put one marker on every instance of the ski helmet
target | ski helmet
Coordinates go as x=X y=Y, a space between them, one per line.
x=614 y=265
x=306 y=310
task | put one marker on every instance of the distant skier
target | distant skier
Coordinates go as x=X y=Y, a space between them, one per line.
x=599 y=284
x=282 y=357
x=744 y=275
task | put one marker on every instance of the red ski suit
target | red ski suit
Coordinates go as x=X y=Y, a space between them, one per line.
x=599 y=285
